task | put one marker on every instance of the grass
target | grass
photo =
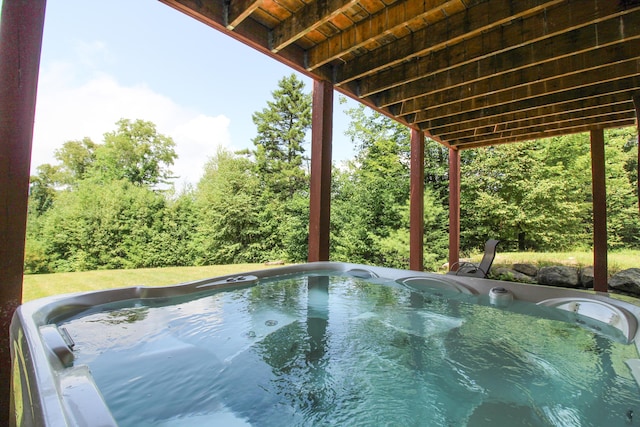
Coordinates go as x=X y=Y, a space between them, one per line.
x=43 y=285
x=617 y=260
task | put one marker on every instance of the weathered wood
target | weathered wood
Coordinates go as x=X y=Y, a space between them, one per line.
x=566 y=16
x=251 y=33
x=466 y=98
x=449 y=115
x=387 y=21
x=312 y=16
x=472 y=80
x=599 y=191
x=520 y=137
x=505 y=48
x=239 y=10
x=20 y=45
x=454 y=208
x=320 y=191
x=557 y=121
x=416 y=197
x=461 y=71
x=575 y=108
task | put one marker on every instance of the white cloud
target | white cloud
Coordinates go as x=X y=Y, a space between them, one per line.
x=69 y=108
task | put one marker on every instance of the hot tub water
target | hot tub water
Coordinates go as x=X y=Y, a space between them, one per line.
x=327 y=348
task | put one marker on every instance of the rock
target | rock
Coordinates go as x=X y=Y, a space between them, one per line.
x=558 y=275
x=278 y=262
x=586 y=277
x=528 y=269
x=510 y=275
x=626 y=281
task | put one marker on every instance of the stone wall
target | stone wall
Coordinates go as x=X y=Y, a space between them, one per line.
x=626 y=281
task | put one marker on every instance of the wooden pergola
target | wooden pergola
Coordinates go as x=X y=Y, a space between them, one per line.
x=466 y=73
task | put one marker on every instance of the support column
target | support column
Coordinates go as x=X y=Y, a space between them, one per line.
x=454 y=208
x=636 y=103
x=416 y=220
x=320 y=193
x=598 y=187
x=20 y=46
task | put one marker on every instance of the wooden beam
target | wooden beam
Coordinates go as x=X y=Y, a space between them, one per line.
x=636 y=103
x=307 y=19
x=461 y=114
x=416 y=222
x=20 y=45
x=471 y=80
x=237 y=11
x=605 y=121
x=320 y=192
x=388 y=20
x=454 y=208
x=541 y=135
x=574 y=107
x=591 y=115
x=250 y=33
x=599 y=190
x=470 y=97
x=524 y=43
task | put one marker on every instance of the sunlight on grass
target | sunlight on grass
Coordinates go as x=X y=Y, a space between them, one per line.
x=618 y=260
x=42 y=285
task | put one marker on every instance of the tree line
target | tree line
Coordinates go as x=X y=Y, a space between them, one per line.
x=113 y=204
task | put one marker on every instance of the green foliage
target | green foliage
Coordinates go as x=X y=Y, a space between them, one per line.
x=370 y=207
x=102 y=226
x=76 y=159
x=102 y=205
x=228 y=212
x=135 y=152
x=282 y=127
x=537 y=195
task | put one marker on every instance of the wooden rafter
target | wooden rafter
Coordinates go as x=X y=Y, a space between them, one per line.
x=237 y=11
x=465 y=72
x=308 y=19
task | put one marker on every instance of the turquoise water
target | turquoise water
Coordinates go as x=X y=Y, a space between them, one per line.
x=329 y=349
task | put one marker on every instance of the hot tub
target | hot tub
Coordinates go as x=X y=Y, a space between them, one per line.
x=327 y=344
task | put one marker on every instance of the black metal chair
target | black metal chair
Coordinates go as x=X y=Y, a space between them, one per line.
x=470 y=269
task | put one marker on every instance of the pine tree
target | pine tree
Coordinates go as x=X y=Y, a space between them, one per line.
x=282 y=128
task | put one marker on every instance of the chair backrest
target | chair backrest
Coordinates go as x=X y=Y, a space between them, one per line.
x=489 y=255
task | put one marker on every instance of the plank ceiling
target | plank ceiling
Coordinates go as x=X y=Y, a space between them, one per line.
x=467 y=72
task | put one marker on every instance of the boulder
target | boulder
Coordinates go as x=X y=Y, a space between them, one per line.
x=528 y=269
x=511 y=275
x=626 y=281
x=586 y=277
x=559 y=275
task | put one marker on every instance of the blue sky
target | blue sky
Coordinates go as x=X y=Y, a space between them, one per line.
x=140 y=59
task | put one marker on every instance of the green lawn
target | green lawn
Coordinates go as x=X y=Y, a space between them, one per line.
x=618 y=260
x=42 y=285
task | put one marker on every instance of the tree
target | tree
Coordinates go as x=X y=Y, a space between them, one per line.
x=135 y=152
x=228 y=206
x=282 y=127
x=524 y=195
x=42 y=189
x=76 y=158
x=370 y=205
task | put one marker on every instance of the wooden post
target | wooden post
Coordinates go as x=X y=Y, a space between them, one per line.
x=320 y=193
x=598 y=187
x=416 y=220
x=454 y=208
x=20 y=46
x=636 y=103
